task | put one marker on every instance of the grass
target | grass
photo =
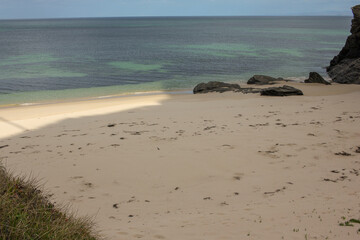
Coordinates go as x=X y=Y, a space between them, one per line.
x=27 y=213
x=350 y=223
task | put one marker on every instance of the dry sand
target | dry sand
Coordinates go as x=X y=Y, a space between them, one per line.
x=213 y=166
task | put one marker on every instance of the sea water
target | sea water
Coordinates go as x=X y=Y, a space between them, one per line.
x=51 y=59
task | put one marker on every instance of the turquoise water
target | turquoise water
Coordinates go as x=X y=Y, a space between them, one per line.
x=45 y=60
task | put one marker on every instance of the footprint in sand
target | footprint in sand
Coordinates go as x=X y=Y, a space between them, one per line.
x=209 y=128
x=135 y=132
x=88 y=184
x=17 y=152
x=238 y=176
x=115 y=145
x=276 y=191
x=270 y=153
x=259 y=125
x=317 y=123
x=60 y=135
x=180 y=132
x=29 y=146
x=227 y=146
x=357 y=150
x=280 y=124
x=77 y=177
x=343 y=153
x=159 y=236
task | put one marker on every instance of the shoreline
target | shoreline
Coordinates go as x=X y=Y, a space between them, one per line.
x=113 y=96
x=57 y=99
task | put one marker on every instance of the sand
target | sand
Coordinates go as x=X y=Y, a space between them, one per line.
x=213 y=166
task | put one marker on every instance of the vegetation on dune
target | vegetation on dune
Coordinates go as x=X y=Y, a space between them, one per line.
x=27 y=213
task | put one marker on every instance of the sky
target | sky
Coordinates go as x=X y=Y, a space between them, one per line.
x=23 y=9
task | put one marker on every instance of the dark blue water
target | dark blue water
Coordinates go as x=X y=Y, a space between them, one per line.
x=93 y=57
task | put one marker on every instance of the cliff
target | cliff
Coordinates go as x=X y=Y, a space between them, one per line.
x=345 y=67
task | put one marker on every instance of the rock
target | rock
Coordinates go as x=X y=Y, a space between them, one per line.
x=357 y=150
x=347 y=72
x=281 y=91
x=355 y=26
x=216 y=87
x=345 y=67
x=314 y=77
x=262 y=80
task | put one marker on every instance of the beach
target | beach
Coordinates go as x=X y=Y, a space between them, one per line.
x=205 y=166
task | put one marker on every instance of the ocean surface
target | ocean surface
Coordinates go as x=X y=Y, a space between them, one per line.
x=46 y=60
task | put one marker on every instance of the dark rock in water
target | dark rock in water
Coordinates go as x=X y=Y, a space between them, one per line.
x=314 y=77
x=216 y=87
x=281 y=91
x=262 y=80
x=345 y=67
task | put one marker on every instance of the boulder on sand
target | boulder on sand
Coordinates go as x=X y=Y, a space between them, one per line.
x=314 y=77
x=281 y=91
x=262 y=80
x=216 y=87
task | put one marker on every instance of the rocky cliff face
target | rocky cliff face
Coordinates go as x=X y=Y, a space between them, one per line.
x=345 y=67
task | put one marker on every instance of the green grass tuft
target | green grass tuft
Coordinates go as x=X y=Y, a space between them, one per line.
x=26 y=213
x=349 y=223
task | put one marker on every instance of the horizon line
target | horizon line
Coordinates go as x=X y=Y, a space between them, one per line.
x=177 y=16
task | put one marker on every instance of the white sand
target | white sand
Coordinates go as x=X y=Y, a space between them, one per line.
x=213 y=166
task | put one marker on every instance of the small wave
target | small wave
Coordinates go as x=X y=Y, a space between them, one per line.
x=302 y=79
x=297 y=79
x=27 y=104
x=107 y=96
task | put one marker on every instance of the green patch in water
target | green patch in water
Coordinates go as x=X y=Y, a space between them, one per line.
x=330 y=49
x=285 y=51
x=301 y=31
x=333 y=43
x=222 y=47
x=230 y=50
x=28 y=59
x=137 y=67
x=212 y=53
x=37 y=71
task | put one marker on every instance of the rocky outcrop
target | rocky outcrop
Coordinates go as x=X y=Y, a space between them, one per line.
x=347 y=72
x=314 y=77
x=262 y=80
x=281 y=91
x=222 y=87
x=216 y=87
x=345 y=67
